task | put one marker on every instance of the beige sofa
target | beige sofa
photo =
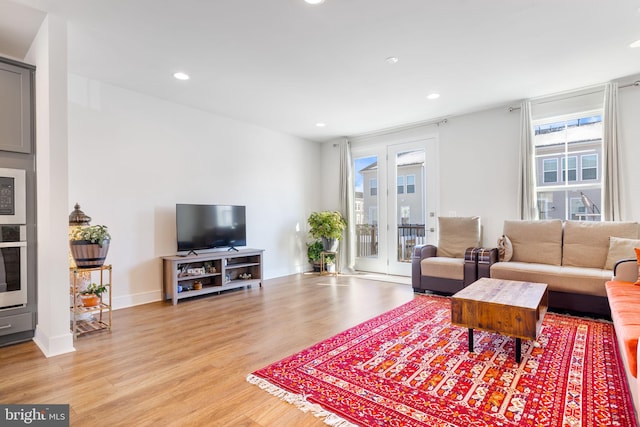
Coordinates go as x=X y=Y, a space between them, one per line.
x=574 y=258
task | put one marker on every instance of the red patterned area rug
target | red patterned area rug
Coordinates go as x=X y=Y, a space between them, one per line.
x=411 y=367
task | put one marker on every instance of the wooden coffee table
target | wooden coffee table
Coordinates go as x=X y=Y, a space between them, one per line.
x=507 y=307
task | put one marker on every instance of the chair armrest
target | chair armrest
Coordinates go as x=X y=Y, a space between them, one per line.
x=420 y=252
x=470 y=266
x=424 y=251
x=626 y=270
x=485 y=257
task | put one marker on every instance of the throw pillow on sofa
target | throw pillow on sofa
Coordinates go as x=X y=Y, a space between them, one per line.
x=620 y=248
x=505 y=249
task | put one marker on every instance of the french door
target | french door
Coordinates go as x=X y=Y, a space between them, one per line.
x=395 y=197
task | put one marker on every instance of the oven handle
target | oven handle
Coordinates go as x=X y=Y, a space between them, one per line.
x=12 y=244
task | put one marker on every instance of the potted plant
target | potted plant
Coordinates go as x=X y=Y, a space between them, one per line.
x=89 y=245
x=313 y=253
x=328 y=226
x=92 y=295
x=330 y=263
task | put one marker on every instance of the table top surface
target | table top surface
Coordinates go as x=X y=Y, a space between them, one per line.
x=504 y=292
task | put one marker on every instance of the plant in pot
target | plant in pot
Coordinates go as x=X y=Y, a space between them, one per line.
x=313 y=254
x=328 y=226
x=92 y=296
x=90 y=245
x=330 y=263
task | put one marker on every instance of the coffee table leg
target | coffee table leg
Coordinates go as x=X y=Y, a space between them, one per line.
x=470 y=340
x=518 y=349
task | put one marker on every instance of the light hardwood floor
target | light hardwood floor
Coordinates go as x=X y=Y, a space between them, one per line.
x=186 y=365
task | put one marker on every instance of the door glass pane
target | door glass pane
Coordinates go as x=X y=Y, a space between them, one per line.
x=366 y=206
x=410 y=215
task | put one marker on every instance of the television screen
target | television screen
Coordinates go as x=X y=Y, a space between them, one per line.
x=210 y=226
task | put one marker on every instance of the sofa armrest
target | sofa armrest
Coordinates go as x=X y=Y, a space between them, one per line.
x=486 y=258
x=420 y=252
x=626 y=270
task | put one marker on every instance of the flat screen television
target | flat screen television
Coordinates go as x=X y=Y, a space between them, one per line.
x=200 y=227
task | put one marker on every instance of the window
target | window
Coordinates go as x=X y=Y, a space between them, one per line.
x=411 y=184
x=589 y=167
x=564 y=146
x=570 y=171
x=400 y=184
x=550 y=170
x=373 y=184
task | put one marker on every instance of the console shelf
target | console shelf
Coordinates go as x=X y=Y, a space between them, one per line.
x=212 y=272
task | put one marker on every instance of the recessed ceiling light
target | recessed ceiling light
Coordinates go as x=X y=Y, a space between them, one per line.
x=320 y=124
x=433 y=96
x=391 y=60
x=181 y=76
x=635 y=44
x=314 y=1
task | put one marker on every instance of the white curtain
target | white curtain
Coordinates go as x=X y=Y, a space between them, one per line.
x=610 y=175
x=527 y=207
x=347 y=251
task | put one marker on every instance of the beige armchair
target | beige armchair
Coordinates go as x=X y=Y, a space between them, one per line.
x=442 y=268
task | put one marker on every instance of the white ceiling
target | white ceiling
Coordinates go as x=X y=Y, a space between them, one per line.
x=286 y=65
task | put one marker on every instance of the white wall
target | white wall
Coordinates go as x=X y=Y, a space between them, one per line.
x=479 y=168
x=132 y=157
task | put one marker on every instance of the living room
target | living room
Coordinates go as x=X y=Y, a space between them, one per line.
x=128 y=157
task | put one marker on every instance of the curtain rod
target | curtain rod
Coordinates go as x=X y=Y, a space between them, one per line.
x=634 y=84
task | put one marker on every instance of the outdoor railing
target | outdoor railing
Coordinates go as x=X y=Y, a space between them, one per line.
x=409 y=235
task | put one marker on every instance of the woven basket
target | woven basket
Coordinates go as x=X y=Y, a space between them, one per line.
x=87 y=254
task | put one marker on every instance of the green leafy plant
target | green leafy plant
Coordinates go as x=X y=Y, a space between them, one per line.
x=313 y=251
x=92 y=233
x=94 y=289
x=327 y=224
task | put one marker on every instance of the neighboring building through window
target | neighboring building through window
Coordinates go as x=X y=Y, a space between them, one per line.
x=373 y=215
x=405 y=215
x=411 y=184
x=400 y=184
x=550 y=170
x=564 y=146
x=589 y=167
x=571 y=170
x=374 y=186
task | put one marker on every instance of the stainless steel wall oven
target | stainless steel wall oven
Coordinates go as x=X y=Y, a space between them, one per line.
x=13 y=239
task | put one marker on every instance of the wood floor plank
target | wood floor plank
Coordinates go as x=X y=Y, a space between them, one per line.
x=187 y=364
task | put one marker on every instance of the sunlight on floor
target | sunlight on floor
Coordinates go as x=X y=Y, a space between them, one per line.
x=405 y=280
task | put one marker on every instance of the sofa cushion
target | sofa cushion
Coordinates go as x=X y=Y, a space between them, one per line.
x=444 y=267
x=558 y=278
x=456 y=234
x=586 y=243
x=535 y=241
x=620 y=248
x=624 y=300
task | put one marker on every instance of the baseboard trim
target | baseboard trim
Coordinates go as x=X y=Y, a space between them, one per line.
x=53 y=346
